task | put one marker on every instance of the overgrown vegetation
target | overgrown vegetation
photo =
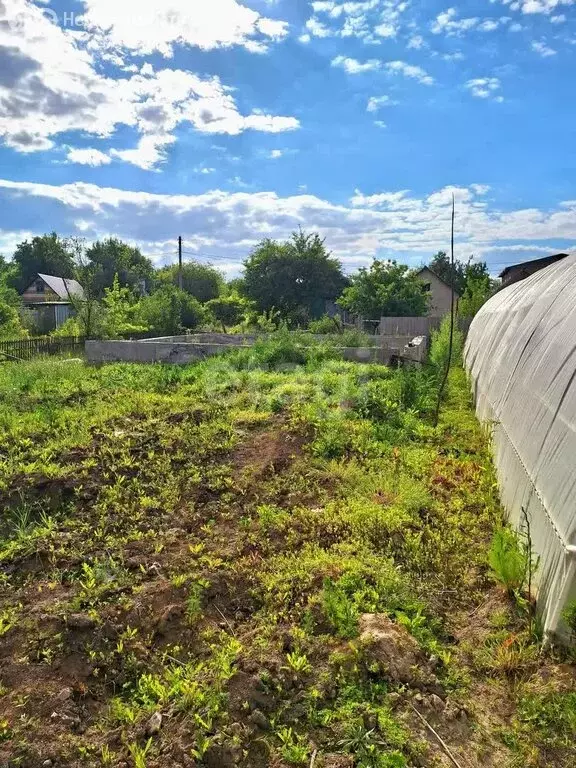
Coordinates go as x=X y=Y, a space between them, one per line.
x=266 y=559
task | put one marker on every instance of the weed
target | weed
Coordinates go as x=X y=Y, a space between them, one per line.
x=298 y=662
x=509 y=559
x=569 y=616
x=340 y=611
x=293 y=747
x=139 y=753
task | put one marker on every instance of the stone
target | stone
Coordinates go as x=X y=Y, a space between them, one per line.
x=47 y=763
x=434 y=703
x=154 y=724
x=81 y=621
x=218 y=756
x=171 y=614
x=65 y=694
x=393 y=647
x=259 y=719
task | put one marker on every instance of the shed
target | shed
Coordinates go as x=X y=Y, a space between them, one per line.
x=521 y=357
x=49 y=299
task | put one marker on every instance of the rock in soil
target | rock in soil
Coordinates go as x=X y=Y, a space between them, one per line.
x=260 y=720
x=219 y=757
x=392 y=646
x=81 y=621
x=154 y=724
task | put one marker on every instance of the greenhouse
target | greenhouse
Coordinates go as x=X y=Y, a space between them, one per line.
x=521 y=356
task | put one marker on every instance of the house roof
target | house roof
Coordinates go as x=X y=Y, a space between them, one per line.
x=437 y=276
x=539 y=263
x=63 y=287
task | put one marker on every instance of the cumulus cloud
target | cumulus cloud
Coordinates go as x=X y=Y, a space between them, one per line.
x=366 y=20
x=50 y=85
x=542 y=49
x=355 y=67
x=377 y=102
x=156 y=26
x=485 y=88
x=228 y=224
x=91 y=157
x=410 y=70
x=450 y=24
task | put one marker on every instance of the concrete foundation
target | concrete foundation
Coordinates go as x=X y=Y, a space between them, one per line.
x=180 y=350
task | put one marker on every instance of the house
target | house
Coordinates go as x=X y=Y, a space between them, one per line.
x=440 y=292
x=49 y=300
x=521 y=271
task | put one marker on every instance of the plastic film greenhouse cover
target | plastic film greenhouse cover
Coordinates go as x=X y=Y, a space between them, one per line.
x=521 y=356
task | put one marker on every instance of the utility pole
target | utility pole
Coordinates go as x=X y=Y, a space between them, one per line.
x=180 y=276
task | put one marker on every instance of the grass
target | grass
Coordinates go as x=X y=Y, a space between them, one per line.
x=204 y=541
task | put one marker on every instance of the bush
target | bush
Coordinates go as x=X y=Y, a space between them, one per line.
x=10 y=322
x=169 y=312
x=440 y=346
x=326 y=324
x=509 y=559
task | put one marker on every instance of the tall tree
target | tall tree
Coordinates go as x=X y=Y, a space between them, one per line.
x=478 y=287
x=113 y=257
x=47 y=254
x=296 y=277
x=202 y=281
x=386 y=289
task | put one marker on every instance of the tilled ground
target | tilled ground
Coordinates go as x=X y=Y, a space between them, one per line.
x=193 y=580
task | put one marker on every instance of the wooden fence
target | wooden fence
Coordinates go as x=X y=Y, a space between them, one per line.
x=27 y=349
x=415 y=326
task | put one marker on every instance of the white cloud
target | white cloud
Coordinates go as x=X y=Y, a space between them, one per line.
x=228 y=223
x=276 y=154
x=560 y=19
x=91 y=157
x=155 y=26
x=410 y=70
x=376 y=102
x=317 y=29
x=355 y=67
x=380 y=124
x=416 y=42
x=541 y=6
x=49 y=85
x=448 y=23
x=485 y=88
x=148 y=154
x=541 y=48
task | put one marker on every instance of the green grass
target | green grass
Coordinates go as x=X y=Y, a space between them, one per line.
x=223 y=527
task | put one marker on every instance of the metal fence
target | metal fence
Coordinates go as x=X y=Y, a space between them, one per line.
x=27 y=349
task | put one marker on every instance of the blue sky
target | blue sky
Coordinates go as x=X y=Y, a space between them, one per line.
x=232 y=120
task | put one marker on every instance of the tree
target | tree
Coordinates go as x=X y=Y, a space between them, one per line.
x=169 y=311
x=296 y=277
x=386 y=289
x=48 y=254
x=442 y=267
x=11 y=326
x=228 y=310
x=478 y=288
x=89 y=313
x=114 y=258
x=202 y=281
x=119 y=308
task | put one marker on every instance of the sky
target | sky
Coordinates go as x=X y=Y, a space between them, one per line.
x=228 y=121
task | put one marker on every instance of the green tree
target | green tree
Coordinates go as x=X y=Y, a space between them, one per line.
x=228 y=310
x=296 y=277
x=478 y=287
x=386 y=289
x=119 y=308
x=442 y=267
x=114 y=258
x=202 y=281
x=8 y=276
x=11 y=326
x=169 y=312
x=48 y=254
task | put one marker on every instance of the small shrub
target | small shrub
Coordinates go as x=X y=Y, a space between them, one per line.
x=326 y=324
x=340 y=610
x=569 y=615
x=439 y=348
x=509 y=559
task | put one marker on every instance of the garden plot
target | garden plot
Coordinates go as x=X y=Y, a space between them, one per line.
x=266 y=559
